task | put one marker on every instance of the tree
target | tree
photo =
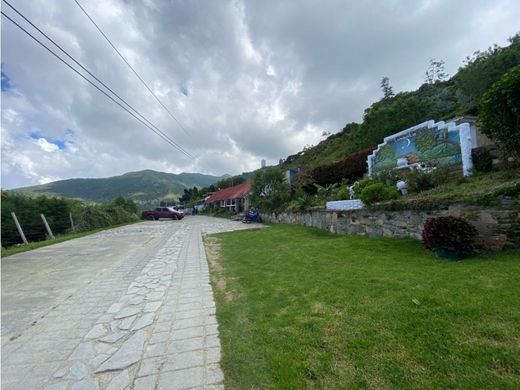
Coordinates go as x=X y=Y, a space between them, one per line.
x=269 y=191
x=500 y=112
x=482 y=70
x=435 y=72
x=386 y=88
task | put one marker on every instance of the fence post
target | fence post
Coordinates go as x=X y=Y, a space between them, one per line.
x=72 y=222
x=19 y=227
x=49 y=231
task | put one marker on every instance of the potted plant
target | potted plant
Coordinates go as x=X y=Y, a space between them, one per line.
x=449 y=237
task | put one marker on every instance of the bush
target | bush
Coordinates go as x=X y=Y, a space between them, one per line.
x=377 y=192
x=500 y=112
x=301 y=203
x=419 y=181
x=482 y=159
x=352 y=167
x=270 y=190
x=450 y=234
x=361 y=185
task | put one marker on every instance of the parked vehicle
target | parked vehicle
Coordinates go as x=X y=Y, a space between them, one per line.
x=251 y=216
x=162 y=212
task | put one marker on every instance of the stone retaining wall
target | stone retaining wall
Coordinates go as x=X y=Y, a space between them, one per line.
x=494 y=224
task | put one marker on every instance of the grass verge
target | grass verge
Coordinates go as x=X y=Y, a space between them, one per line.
x=299 y=308
x=481 y=189
x=59 y=238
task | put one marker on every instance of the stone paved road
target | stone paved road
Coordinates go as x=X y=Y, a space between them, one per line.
x=127 y=308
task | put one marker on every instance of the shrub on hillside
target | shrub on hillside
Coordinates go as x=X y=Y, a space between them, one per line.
x=453 y=236
x=377 y=192
x=361 y=185
x=419 y=181
x=500 y=112
x=270 y=190
x=482 y=159
x=352 y=167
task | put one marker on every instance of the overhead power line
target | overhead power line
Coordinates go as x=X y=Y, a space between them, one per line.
x=130 y=66
x=92 y=75
x=159 y=133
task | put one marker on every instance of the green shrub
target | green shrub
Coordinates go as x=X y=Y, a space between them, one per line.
x=500 y=112
x=450 y=234
x=377 y=192
x=482 y=159
x=361 y=185
x=270 y=190
x=389 y=177
x=343 y=193
x=419 y=181
x=301 y=203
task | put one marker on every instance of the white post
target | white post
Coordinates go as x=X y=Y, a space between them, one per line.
x=19 y=227
x=465 y=148
x=72 y=222
x=47 y=227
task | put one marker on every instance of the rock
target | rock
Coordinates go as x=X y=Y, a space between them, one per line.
x=144 y=321
x=77 y=371
x=115 y=307
x=113 y=337
x=127 y=323
x=119 y=382
x=129 y=353
x=126 y=312
x=152 y=306
x=97 y=331
x=86 y=384
x=83 y=351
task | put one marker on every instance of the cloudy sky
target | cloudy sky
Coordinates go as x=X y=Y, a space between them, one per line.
x=248 y=80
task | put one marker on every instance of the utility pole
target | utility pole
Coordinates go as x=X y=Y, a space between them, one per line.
x=72 y=222
x=47 y=227
x=19 y=227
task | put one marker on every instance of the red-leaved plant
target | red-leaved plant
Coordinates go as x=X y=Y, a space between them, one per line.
x=450 y=234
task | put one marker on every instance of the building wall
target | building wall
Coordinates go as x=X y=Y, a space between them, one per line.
x=494 y=224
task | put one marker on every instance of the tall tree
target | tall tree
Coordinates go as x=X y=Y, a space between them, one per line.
x=436 y=72
x=386 y=88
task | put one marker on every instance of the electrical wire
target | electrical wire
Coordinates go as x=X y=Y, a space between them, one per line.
x=90 y=73
x=169 y=141
x=130 y=66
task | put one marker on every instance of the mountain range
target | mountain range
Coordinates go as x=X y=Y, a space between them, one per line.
x=144 y=187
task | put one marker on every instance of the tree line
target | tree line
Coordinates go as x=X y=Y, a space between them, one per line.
x=58 y=212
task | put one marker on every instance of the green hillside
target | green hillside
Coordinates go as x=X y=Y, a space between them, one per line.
x=144 y=187
x=439 y=98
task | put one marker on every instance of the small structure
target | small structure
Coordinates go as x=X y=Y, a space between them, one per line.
x=233 y=198
x=427 y=145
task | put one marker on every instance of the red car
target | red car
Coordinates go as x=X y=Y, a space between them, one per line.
x=162 y=212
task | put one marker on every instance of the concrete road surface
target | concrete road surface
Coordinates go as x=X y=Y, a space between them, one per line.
x=126 y=308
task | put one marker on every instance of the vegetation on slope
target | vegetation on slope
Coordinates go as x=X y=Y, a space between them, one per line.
x=57 y=212
x=145 y=187
x=437 y=99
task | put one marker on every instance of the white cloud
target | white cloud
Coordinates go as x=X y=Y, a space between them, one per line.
x=46 y=146
x=248 y=80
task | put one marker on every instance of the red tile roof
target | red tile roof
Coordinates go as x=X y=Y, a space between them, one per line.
x=235 y=192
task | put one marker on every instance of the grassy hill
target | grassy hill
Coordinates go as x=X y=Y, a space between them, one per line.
x=437 y=99
x=144 y=187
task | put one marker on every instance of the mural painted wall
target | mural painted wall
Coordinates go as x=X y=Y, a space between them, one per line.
x=429 y=144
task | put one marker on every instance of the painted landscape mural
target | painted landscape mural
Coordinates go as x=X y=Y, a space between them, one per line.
x=431 y=146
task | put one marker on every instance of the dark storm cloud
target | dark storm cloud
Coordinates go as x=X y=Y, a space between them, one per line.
x=248 y=80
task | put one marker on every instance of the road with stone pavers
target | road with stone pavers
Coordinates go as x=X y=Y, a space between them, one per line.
x=126 y=308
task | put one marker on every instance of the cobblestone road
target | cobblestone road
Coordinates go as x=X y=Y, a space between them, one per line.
x=127 y=308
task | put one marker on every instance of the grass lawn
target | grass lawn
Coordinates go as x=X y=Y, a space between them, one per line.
x=481 y=189
x=299 y=308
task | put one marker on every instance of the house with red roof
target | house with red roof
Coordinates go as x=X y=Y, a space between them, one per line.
x=233 y=198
